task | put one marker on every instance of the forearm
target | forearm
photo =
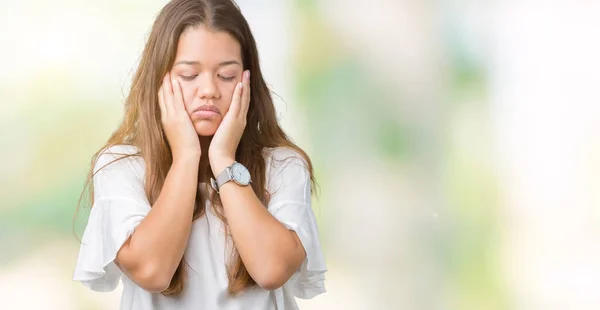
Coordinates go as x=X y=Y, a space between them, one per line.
x=270 y=252
x=156 y=247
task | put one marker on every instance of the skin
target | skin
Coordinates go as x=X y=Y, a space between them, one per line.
x=207 y=72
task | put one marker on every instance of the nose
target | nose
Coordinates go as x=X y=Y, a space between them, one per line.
x=207 y=88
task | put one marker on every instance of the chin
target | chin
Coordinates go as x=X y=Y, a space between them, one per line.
x=206 y=129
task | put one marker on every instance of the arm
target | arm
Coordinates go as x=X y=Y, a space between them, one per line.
x=155 y=249
x=151 y=255
x=270 y=251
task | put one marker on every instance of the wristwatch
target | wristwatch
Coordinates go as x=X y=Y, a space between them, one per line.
x=236 y=172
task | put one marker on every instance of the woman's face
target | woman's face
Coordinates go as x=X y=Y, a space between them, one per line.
x=208 y=65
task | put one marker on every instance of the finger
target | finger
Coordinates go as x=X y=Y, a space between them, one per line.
x=245 y=102
x=161 y=104
x=234 y=109
x=168 y=95
x=178 y=103
x=168 y=82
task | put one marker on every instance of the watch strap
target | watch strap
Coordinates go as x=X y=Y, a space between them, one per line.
x=224 y=177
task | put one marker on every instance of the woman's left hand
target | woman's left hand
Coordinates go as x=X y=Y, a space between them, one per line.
x=223 y=146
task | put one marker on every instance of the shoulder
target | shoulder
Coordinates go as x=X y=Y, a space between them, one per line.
x=281 y=155
x=119 y=157
x=284 y=160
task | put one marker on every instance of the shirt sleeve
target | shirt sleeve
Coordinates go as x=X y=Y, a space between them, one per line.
x=290 y=188
x=120 y=204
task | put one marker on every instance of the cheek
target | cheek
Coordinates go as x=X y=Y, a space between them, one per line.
x=188 y=93
x=227 y=102
x=227 y=96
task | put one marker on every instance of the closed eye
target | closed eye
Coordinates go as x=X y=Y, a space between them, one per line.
x=188 y=77
x=227 y=78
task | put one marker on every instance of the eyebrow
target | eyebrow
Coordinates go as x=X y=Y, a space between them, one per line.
x=191 y=63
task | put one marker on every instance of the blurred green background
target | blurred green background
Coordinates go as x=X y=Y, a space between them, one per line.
x=456 y=144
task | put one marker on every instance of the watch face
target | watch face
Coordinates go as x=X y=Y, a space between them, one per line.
x=240 y=174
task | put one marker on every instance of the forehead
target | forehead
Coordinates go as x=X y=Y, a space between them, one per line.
x=206 y=46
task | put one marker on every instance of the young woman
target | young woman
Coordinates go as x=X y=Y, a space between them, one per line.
x=200 y=200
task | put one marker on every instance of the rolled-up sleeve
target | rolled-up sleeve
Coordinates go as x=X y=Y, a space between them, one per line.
x=120 y=204
x=290 y=203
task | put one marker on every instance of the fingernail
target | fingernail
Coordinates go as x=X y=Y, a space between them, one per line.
x=173 y=81
x=247 y=74
x=239 y=85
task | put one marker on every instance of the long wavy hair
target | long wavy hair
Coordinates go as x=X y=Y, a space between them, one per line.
x=142 y=125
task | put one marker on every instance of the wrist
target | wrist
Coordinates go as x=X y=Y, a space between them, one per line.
x=219 y=164
x=186 y=160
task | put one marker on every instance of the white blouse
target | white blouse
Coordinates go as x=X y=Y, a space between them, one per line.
x=120 y=204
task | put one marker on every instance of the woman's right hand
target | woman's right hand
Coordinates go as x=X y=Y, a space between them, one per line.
x=178 y=126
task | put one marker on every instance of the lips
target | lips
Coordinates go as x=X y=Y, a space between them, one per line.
x=207 y=108
x=206 y=112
